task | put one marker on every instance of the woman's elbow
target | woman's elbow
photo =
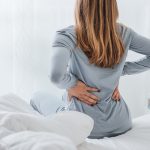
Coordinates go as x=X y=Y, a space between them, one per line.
x=55 y=78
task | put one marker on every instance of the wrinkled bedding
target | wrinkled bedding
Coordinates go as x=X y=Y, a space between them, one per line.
x=17 y=136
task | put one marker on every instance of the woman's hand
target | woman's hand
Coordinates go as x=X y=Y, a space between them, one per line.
x=82 y=92
x=116 y=94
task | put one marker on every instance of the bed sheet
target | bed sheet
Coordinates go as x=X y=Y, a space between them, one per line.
x=136 y=139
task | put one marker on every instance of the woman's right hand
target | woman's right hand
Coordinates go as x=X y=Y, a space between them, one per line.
x=82 y=92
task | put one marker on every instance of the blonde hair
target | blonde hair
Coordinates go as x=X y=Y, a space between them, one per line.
x=97 y=32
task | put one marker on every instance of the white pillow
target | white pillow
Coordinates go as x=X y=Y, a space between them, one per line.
x=72 y=124
x=75 y=125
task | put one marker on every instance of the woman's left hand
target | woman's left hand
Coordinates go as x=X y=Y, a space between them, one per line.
x=116 y=94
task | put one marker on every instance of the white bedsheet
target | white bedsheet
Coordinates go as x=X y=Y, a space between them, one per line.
x=17 y=137
x=136 y=139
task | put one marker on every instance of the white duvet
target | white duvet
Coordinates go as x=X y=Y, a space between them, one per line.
x=21 y=128
x=19 y=134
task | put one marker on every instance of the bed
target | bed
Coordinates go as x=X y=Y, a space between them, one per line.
x=23 y=128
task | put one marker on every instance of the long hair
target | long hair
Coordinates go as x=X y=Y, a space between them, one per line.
x=97 y=31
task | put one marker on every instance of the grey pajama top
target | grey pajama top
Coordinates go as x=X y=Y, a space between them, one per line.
x=69 y=64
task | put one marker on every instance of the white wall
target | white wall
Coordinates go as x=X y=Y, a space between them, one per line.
x=26 y=31
x=34 y=24
x=135 y=88
x=5 y=47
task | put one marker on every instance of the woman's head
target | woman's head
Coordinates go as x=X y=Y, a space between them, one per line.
x=97 y=32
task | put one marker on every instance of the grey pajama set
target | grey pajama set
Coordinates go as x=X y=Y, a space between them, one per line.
x=69 y=64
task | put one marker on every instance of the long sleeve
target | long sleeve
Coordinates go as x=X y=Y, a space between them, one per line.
x=139 y=44
x=61 y=50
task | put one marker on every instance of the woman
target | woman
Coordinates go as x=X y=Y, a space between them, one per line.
x=88 y=61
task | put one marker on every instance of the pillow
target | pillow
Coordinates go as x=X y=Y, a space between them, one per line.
x=75 y=125
x=72 y=124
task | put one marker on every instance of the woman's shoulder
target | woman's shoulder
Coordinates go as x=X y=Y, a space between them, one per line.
x=67 y=29
x=124 y=29
x=125 y=32
x=65 y=37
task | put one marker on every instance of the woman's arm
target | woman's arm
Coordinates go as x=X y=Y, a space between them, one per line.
x=136 y=66
x=61 y=51
x=139 y=44
x=58 y=73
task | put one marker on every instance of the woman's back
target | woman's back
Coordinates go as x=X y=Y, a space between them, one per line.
x=110 y=117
